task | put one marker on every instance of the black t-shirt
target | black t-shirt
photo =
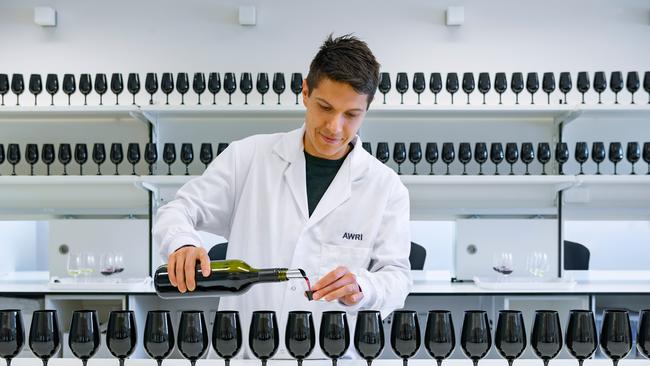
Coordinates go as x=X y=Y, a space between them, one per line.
x=320 y=174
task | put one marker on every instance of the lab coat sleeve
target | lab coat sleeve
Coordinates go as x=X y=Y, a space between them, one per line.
x=387 y=281
x=204 y=203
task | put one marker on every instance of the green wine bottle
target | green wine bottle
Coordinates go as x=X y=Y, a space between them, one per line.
x=227 y=277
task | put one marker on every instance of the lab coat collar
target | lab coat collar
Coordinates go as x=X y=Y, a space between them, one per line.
x=291 y=149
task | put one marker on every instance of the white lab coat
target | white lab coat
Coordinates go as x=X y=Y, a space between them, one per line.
x=254 y=194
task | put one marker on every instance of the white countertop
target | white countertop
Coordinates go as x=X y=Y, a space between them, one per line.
x=382 y=362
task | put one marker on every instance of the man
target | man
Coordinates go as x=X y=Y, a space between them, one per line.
x=311 y=198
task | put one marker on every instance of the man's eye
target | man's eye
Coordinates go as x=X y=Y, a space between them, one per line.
x=352 y=115
x=325 y=108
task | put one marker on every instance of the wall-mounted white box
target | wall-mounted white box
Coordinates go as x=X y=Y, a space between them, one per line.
x=455 y=15
x=45 y=16
x=247 y=15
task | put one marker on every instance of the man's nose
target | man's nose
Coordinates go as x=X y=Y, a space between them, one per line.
x=335 y=124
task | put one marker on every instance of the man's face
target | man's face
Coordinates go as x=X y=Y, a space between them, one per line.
x=335 y=112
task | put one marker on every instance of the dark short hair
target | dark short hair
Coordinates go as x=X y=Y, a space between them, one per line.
x=345 y=59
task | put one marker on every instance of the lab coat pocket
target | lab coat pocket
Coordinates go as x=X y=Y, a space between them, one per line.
x=334 y=255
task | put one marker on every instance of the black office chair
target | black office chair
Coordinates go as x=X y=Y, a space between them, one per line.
x=417 y=256
x=576 y=256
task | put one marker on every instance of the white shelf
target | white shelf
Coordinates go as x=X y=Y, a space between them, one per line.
x=70 y=195
x=613 y=112
x=64 y=113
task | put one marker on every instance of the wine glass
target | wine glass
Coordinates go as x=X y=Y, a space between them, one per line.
x=583 y=84
x=581 y=337
x=439 y=335
x=198 y=85
x=88 y=263
x=435 y=85
x=512 y=155
x=369 y=335
x=192 y=335
x=2 y=154
x=169 y=156
x=187 y=156
x=107 y=264
x=384 y=84
x=151 y=85
x=119 y=262
x=468 y=84
x=263 y=337
x=69 y=85
x=616 y=335
x=167 y=85
x=44 y=334
x=600 y=84
x=262 y=84
x=47 y=155
x=565 y=84
x=402 y=84
x=543 y=155
x=537 y=264
x=101 y=86
x=484 y=84
x=527 y=154
x=615 y=153
x=632 y=83
x=448 y=154
x=133 y=85
x=17 y=86
x=582 y=154
x=643 y=333
x=480 y=155
x=12 y=333
x=546 y=337
x=415 y=155
x=633 y=154
x=182 y=85
x=150 y=155
x=121 y=334
x=221 y=147
x=598 y=154
x=4 y=86
x=561 y=155
x=475 y=337
x=405 y=334
x=646 y=84
x=214 y=85
x=646 y=154
x=500 y=84
x=246 y=85
x=36 y=86
x=31 y=156
x=13 y=156
x=532 y=85
x=510 y=335
x=517 y=84
x=133 y=155
x=464 y=155
x=278 y=84
x=419 y=84
x=99 y=156
x=399 y=155
x=84 y=334
x=548 y=85
x=117 y=155
x=158 y=335
x=74 y=265
x=81 y=156
x=206 y=154
x=496 y=155
x=616 y=84
x=85 y=86
x=65 y=156
x=117 y=86
x=300 y=335
x=51 y=86
x=230 y=85
x=452 y=84
x=226 y=335
x=334 y=334
x=296 y=84
x=367 y=146
x=383 y=153
x=431 y=154
x=502 y=263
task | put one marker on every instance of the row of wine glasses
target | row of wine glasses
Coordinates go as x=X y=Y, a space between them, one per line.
x=510 y=338
x=167 y=85
x=517 y=84
x=116 y=155
x=526 y=152
x=84 y=263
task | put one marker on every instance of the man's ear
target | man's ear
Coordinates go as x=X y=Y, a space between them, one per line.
x=305 y=92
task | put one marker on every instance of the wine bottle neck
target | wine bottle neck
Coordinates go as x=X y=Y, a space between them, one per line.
x=279 y=274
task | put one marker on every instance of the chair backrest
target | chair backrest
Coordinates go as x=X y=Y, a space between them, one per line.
x=417 y=256
x=576 y=256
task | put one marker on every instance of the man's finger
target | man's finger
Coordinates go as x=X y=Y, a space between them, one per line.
x=352 y=299
x=190 y=268
x=180 y=272
x=205 y=263
x=171 y=267
x=341 y=282
x=346 y=290
x=330 y=277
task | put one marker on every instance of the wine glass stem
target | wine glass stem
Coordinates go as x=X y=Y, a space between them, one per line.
x=614 y=168
x=615 y=362
x=246 y=99
x=500 y=98
x=182 y=99
x=527 y=173
x=159 y=361
x=581 y=172
x=517 y=98
x=8 y=360
x=402 y=99
x=418 y=98
x=548 y=96
x=84 y=361
x=405 y=362
x=599 y=101
x=532 y=98
x=278 y=99
x=264 y=362
x=68 y=99
x=186 y=170
x=100 y=99
x=299 y=362
x=296 y=99
x=546 y=361
x=192 y=363
x=45 y=361
x=85 y=99
x=133 y=99
x=480 y=169
x=167 y=99
x=510 y=361
x=117 y=99
x=483 y=98
x=65 y=169
x=133 y=172
x=35 y=100
x=435 y=98
x=384 y=99
x=31 y=170
x=226 y=362
x=475 y=362
x=452 y=98
x=464 y=169
x=230 y=99
x=467 y=98
x=447 y=172
x=199 y=99
x=543 y=169
x=262 y=99
x=214 y=99
x=150 y=99
x=121 y=359
x=399 y=169
x=431 y=171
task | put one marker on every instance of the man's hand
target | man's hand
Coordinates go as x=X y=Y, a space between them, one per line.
x=339 y=284
x=181 y=266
